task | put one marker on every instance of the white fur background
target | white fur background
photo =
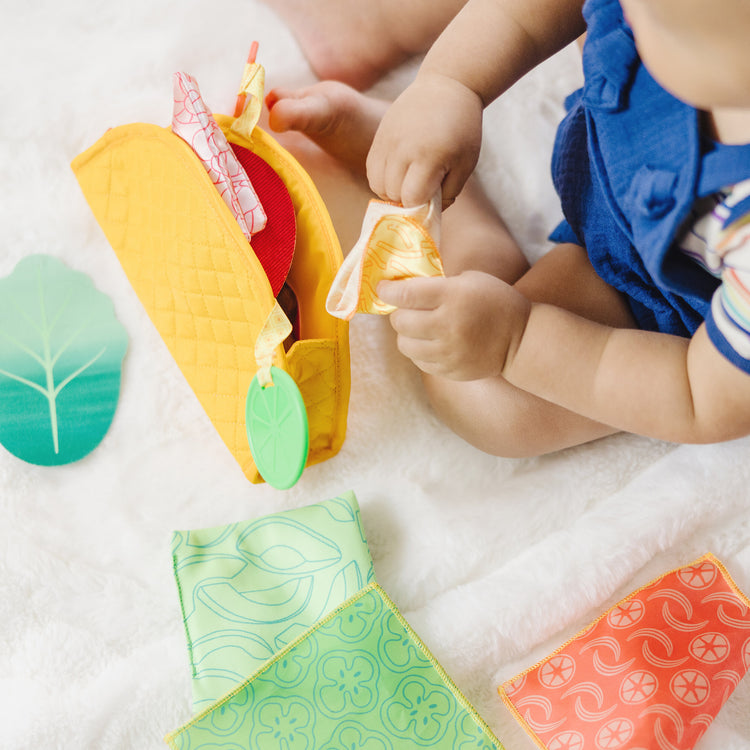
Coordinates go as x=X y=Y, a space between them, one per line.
x=494 y=562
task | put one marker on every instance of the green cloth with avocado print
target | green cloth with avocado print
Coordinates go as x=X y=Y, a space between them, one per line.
x=250 y=588
x=360 y=679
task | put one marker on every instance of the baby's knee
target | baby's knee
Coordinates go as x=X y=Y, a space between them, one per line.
x=496 y=426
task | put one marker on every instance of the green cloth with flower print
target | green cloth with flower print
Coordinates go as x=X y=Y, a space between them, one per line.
x=250 y=588
x=359 y=679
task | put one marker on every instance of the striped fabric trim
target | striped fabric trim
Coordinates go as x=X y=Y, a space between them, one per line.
x=733 y=246
x=719 y=240
x=737 y=338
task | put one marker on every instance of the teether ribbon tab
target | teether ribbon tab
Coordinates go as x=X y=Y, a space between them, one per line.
x=275 y=330
x=276 y=423
x=194 y=123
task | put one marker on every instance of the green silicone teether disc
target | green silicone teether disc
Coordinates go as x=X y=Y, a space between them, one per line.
x=277 y=430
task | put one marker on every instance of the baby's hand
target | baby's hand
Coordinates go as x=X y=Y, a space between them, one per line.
x=429 y=137
x=460 y=327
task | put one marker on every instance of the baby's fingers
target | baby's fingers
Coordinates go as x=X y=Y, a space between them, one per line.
x=415 y=294
x=416 y=325
x=398 y=173
x=387 y=176
x=424 y=354
x=376 y=165
x=420 y=183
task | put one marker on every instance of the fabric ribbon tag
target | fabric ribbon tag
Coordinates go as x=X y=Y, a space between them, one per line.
x=249 y=98
x=395 y=243
x=275 y=330
x=194 y=123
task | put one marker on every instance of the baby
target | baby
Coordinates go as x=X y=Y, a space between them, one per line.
x=638 y=319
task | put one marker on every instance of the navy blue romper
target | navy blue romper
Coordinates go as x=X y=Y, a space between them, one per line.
x=628 y=164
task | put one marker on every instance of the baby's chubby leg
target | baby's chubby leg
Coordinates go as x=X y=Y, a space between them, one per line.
x=474 y=237
x=358 y=41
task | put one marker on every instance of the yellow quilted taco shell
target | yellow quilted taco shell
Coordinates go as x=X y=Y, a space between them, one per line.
x=202 y=285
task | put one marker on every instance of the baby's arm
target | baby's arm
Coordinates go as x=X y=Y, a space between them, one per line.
x=432 y=133
x=653 y=384
x=474 y=326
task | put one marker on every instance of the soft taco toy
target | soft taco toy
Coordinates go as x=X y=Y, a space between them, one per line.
x=206 y=286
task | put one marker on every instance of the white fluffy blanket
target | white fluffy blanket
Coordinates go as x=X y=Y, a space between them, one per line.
x=494 y=562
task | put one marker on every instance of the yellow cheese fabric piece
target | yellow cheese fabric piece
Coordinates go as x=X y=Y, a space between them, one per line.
x=395 y=243
x=202 y=285
x=399 y=248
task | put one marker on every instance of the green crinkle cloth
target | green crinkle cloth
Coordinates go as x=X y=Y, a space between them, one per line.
x=359 y=679
x=249 y=589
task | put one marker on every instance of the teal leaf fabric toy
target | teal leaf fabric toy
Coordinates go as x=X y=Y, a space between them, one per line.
x=249 y=589
x=361 y=678
x=61 y=352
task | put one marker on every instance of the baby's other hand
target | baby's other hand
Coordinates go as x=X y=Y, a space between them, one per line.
x=429 y=137
x=460 y=327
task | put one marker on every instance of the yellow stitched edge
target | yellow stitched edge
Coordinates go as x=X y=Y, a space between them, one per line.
x=728 y=578
x=342 y=379
x=374 y=586
x=526 y=727
x=332 y=249
x=502 y=688
x=331 y=246
x=460 y=697
x=193 y=670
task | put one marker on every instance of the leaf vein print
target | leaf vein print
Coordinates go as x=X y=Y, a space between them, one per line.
x=56 y=330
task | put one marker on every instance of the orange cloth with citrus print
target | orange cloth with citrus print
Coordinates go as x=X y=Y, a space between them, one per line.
x=649 y=674
x=395 y=243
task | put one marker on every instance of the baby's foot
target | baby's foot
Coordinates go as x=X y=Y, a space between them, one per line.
x=359 y=41
x=335 y=116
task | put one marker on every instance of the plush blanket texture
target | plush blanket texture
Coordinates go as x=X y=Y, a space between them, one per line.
x=494 y=562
